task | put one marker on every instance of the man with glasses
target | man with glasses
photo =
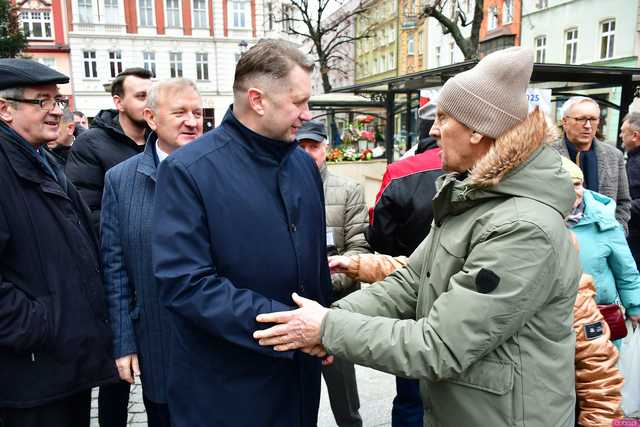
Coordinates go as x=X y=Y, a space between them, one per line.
x=602 y=164
x=55 y=340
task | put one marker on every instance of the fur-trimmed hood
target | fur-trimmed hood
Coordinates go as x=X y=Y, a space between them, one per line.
x=520 y=163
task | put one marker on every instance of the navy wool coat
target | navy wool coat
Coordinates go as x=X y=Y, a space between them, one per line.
x=138 y=319
x=238 y=226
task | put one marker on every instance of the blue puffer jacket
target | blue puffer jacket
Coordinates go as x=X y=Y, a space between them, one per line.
x=605 y=255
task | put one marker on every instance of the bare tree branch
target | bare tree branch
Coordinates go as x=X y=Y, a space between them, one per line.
x=468 y=46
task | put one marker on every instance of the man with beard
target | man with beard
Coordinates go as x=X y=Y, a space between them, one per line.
x=115 y=136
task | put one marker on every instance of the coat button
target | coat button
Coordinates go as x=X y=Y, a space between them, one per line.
x=428 y=274
x=292 y=227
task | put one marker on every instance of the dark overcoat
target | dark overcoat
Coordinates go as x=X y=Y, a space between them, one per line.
x=54 y=335
x=139 y=321
x=238 y=226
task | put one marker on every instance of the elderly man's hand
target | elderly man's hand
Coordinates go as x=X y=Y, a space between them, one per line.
x=296 y=329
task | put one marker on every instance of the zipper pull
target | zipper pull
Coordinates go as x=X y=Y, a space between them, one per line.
x=33 y=357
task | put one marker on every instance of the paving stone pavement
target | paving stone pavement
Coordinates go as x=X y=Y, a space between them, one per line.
x=376 y=390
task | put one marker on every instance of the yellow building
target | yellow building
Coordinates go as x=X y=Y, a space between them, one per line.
x=377 y=54
x=412 y=38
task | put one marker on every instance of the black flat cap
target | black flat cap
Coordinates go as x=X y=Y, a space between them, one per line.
x=312 y=130
x=26 y=72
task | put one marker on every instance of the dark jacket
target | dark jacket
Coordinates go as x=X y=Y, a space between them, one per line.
x=140 y=323
x=402 y=214
x=95 y=152
x=54 y=336
x=238 y=226
x=633 y=172
x=612 y=176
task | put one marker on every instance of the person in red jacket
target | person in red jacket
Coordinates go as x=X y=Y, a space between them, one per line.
x=401 y=219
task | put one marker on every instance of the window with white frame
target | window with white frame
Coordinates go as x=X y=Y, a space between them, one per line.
x=507 y=12
x=492 y=24
x=111 y=12
x=452 y=51
x=145 y=13
x=410 y=44
x=175 y=64
x=36 y=24
x=383 y=63
x=202 y=66
x=392 y=61
x=420 y=43
x=173 y=13
x=90 y=64
x=200 y=14
x=438 y=53
x=115 y=63
x=570 y=46
x=239 y=14
x=607 y=37
x=85 y=11
x=49 y=62
x=149 y=62
x=540 y=44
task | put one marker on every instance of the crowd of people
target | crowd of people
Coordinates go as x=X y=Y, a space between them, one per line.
x=225 y=268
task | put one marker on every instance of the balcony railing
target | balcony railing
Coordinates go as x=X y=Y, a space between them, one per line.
x=98 y=27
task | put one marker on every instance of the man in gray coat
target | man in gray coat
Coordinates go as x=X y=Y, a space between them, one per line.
x=347 y=219
x=601 y=163
x=140 y=324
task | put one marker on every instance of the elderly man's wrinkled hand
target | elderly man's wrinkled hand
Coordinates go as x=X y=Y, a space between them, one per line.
x=295 y=329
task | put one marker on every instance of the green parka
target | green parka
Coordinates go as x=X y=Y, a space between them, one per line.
x=482 y=313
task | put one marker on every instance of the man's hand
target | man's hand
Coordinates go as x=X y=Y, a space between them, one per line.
x=297 y=329
x=339 y=263
x=128 y=367
x=634 y=320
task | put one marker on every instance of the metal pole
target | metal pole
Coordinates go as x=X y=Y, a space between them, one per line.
x=408 y=121
x=389 y=130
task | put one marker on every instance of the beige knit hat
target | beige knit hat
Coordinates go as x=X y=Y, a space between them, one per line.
x=491 y=97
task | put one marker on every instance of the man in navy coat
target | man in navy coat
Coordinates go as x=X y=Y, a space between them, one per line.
x=238 y=227
x=140 y=324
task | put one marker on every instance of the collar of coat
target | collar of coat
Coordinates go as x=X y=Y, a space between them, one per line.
x=271 y=150
x=518 y=164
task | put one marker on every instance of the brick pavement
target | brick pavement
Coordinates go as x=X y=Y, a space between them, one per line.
x=376 y=391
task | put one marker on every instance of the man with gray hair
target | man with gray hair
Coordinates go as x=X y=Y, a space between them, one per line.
x=602 y=164
x=238 y=226
x=482 y=313
x=55 y=342
x=61 y=146
x=630 y=135
x=140 y=324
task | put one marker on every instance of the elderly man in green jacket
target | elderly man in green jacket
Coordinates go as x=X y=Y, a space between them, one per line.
x=482 y=312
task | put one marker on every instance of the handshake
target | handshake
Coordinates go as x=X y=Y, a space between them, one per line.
x=296 y=329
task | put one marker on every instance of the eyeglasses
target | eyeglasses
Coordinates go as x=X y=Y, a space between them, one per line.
x=583 y=120
x=45 y=103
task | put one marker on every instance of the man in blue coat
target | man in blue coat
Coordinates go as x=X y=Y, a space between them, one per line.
x=238 y=226
x=140 y=324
